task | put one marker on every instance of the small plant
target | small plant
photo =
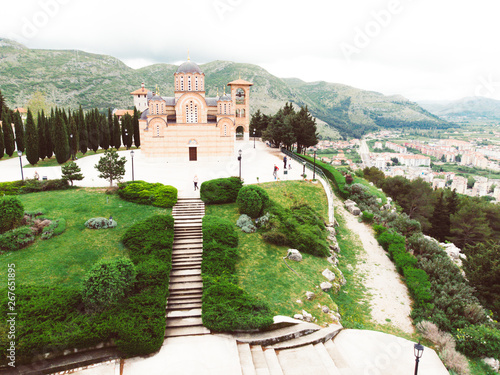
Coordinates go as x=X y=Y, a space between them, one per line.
x=246 y=224
x=100 y=223
x=71 y=172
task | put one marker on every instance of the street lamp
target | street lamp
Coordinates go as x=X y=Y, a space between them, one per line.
x=71 y=146
x=20 y=153
x=239 y=159
x=132 y=155
x=304 y=169
x=126 y=139
x=419 y=350
x=254 y=138
x=314 y=169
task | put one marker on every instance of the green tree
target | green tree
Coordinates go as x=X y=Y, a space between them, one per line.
x=305 y=129
x=127 y=130
x=111 y=167
x=374 y=175
x=135 y=125
x=257 y=124
x=38 y=103
x=11 y=213
x=19 y=128
x=2 y=102
x=452 y=202
x=74 y=137
x=116 y=133
x=61 y=144
x=31 y=140
x=49 y=134
x=440 y=220
x=42 y=141
x=2 y=145
x=110 y=127
x=103 y=132
x=482 y=267
x=93 y=128
x=107 y=283
x=8 y=133
x=279 y=132
x=469 y=225
x=71 y=172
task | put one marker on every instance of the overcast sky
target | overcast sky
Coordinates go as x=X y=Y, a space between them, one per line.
x=422 y=49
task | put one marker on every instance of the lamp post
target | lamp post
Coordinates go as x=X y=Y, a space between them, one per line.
x=304 y=169
x=20 y=153
x=314 y=169
x=254 y=138
x=419 y=350
x=126 y=139
x=239 y=159
x=71 y=146
x=132 y=156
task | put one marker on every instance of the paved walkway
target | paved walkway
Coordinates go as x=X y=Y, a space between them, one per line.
x=256 y=163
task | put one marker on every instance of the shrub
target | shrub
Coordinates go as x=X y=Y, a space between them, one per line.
x=154 y=194
x=249 y=202
x=246 y=224
x=16 y=239
x=11 y=213
x=219 y=230
x=100 y=223
x=263 y=221
x=367 y=216
x=218 y=259
x=221 y=190
x=107 y=283
x=33 y=186
x=54 y=229
x=10 y=188
x=478 y=341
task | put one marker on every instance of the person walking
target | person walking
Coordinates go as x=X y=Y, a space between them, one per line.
x=195 y=181
x=284 y=162
x=275 y=171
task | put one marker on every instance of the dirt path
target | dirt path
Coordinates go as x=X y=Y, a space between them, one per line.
x=389 y=299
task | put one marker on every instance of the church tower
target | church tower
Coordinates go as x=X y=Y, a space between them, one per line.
x=240 y=95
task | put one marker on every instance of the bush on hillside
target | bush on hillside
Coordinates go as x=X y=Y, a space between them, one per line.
x=221 y=190
x=33 y=186
x=107 y=282
x=246 y=224
x=154 y=194
x=100 y=223
x=17 y=238
x=219 y=230
x=55 y=228
x=249 y=203
x=478 y=341
x=11 y=187
x=11 y=213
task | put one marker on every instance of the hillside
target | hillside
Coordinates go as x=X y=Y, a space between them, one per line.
x=465 y=109
x=70 y=78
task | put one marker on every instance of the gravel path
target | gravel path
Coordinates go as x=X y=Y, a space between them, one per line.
x=389 y=296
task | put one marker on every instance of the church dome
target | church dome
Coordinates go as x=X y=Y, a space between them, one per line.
x=189 y=67
x=225 y=98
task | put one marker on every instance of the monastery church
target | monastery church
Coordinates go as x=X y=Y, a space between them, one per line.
x=190 y=126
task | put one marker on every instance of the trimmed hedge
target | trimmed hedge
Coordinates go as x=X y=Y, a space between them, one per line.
x=220 y=190
x=11 y=213
x=32 y=186
x=153 y=194
x=225 y=306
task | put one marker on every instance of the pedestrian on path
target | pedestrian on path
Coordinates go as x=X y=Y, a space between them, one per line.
x=195 y=181
x=284 y=162
x=275 y=171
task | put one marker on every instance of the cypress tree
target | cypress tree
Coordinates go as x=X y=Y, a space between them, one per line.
x=440 y=220
x=110 y=129
x=2 y=103
x=73 y=137
x=82 y=129
x=61 y=145
x=31 y=139
x=2 y=146
x=8 y=133
x=19 y=127
x=116 y=133
x=93 y=126
x=49 y=134
x=42 y=142
x=137 y=136
x=104 y=132
x=127 y=130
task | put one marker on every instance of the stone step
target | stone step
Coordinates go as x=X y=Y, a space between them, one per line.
x=189 y=241
x=185 y=279
x=326 y=359
x=186 y=331
x=186 y=217
x=191 y=313
x=186 y=286
x=184 y=322
x=186 y=258
x=188 y=211
x=259 y=360
x=185 y=298
x=189 y=254
x=186 y=265
x=175 y=273
x=336 y=355
x=275 y=336
x=184 y=306
x=185 y=293
x=273 y=364
x=246 y=361
x=293 y=360
x=320 y=336
x=193 y=246
x=194 y=233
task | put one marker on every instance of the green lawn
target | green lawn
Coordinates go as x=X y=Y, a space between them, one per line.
x=67 y=257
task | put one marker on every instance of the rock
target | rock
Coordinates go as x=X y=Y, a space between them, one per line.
x=386 y=207
x=333 y=260
x=389 y=199
x=354 y=210
x=325 y=286
x=493 y=363
x=294 y=254
x=328 y=274
x=325 y=309
x=331 y=230
x=310 y=295
x=307 y=317
x=298 y=301
x=298 y=316
x=379 y=200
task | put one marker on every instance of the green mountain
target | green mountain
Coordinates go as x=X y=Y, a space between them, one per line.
x=465 y=109
x=70 y=78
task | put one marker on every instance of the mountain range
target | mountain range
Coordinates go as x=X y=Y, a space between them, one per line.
x=465 y=110
x=70 y=78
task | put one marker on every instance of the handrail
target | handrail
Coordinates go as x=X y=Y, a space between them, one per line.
x=325 y=181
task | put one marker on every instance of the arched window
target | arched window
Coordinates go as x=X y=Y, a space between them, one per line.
x=189 y=83
x=196 y=83
x=182 y=83
x=157 y=111
x=191 y=113
x=240 y=96
x=225 y=109
x=157 y=130
x=237 y=113
x=242 y=113
x=225 y=130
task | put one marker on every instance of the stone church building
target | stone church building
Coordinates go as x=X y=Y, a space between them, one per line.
x=189 y=125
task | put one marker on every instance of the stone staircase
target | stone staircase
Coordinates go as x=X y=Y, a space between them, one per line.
x=184 y=301
x=302 y=348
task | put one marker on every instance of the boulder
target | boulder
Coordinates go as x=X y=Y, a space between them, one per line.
x=325 y=286
x=325 y=309
x=493 y=363
x=349 y=203
x=298 y=316
x=310 y=295
x=328 y=274
x=333 y=260
x=307 y=317
x=331 y=230
x=354 y=210
x=294 y=254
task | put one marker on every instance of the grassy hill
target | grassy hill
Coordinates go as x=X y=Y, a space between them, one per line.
x=70 y=78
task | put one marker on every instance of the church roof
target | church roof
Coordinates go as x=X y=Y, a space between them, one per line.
x=158 y=98
x=170 y=100
x=240 y=82
x=141 y=91
x=211 y=102
x=189 y=67
x=122 y=112
x=145 y=114
x=225 y=98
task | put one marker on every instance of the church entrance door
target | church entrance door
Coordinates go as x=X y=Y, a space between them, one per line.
x=193 y=155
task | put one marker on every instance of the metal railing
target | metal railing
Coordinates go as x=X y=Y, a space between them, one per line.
x=319 y=175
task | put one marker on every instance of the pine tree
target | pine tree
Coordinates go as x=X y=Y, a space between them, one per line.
x=61 y=144
x=71 y=172
x=111 y=167
x=82 y=130
x=19 y=127
x=440 y=220
x=31 y=140
x=42 y=141
x=110 y=129
x=305 y=130
x=49 y=134
x=116 y=133
x=2 y=146
x=8 y=133
x=135 y=125
x=73 y=137
x=452 y=202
